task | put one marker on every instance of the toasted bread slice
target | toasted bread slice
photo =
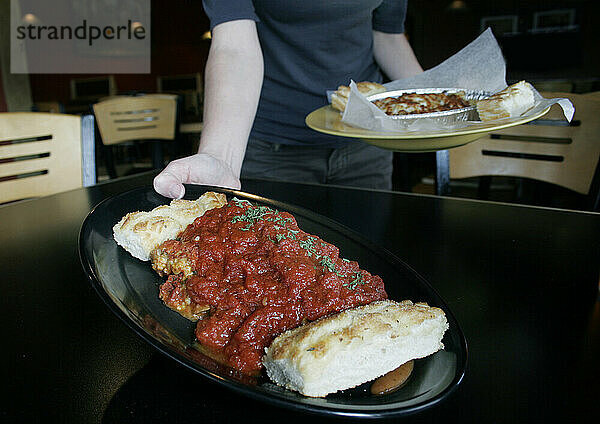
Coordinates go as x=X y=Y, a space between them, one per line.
x=139 y=233
x=339 y=98
x=512 y=101
x=354 y=346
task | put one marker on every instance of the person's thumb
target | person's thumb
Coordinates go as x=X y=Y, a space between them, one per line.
x=168 y=185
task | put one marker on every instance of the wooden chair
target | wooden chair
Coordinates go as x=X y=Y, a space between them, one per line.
x=150 y=117
x=548 y=149
x=45 y=153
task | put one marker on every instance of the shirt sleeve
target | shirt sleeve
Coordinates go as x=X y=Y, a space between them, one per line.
x=220 y=11
x=389 y=16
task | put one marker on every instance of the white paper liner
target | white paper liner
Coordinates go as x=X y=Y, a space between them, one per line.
x=478 y=66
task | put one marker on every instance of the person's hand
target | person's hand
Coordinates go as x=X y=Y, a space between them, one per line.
x=200 y=168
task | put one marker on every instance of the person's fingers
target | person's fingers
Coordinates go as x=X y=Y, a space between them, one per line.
x=195 y=169
x=169 y=185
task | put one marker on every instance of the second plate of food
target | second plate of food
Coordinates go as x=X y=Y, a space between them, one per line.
x=130 y=288
x=327 y=120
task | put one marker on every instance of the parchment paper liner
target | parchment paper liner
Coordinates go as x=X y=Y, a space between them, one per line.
x=479 y=66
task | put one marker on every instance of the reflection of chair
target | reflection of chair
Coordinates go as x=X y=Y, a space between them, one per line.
x=190 y=87
x=45 y=153
x=92 y=89
x=86 y=91
x=49 y=107
x=149 y=118
x=548 y=149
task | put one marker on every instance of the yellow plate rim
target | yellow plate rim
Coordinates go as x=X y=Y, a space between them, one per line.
x=370 y=135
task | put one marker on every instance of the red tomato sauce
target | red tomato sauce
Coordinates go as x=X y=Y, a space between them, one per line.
x=261 y=275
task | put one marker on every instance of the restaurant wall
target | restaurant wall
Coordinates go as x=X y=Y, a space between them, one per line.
x=15 y=92
x=2 y=97
x=3 y=108
x=177 y=48
x=437 y=31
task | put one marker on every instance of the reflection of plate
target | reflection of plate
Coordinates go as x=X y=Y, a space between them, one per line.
x=130 y=288
x=329 y=121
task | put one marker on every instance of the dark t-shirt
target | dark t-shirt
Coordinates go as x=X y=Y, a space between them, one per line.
x=309 y=47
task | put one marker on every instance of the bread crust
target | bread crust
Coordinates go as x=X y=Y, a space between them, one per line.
x=514 y=100
x=140 y=232
x=355 y=346
x=339 y=98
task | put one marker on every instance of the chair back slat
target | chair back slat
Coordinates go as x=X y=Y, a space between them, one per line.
x=25 y=165
x=26 y=146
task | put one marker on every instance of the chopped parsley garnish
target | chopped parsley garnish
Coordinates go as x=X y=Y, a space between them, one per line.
x=308 y=245
x=356 y=280
x=328 y=263
x=252 y=214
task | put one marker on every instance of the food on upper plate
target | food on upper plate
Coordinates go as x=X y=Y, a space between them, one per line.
x=514 y=100
x=140 y=232
x=260 y=275
x=352 y=347
x=417 y=103
x=339 y=98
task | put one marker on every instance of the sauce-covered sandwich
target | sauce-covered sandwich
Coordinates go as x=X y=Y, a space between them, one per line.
x=259 y=274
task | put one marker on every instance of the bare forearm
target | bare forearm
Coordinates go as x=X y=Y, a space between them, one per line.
x=234 y=75
x=395 y=56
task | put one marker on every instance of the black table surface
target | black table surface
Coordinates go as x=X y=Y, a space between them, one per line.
x=521 y=281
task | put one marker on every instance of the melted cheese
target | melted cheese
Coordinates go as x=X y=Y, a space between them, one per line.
x=416 y=103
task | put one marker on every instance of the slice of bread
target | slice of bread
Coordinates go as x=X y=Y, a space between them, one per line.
x=141 y=232
x=513 y=101
x=354 y=346
x=339 y=98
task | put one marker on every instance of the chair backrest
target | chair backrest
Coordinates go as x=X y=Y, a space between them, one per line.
x=45 y=153
x=146 y=117
x=548 y=149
